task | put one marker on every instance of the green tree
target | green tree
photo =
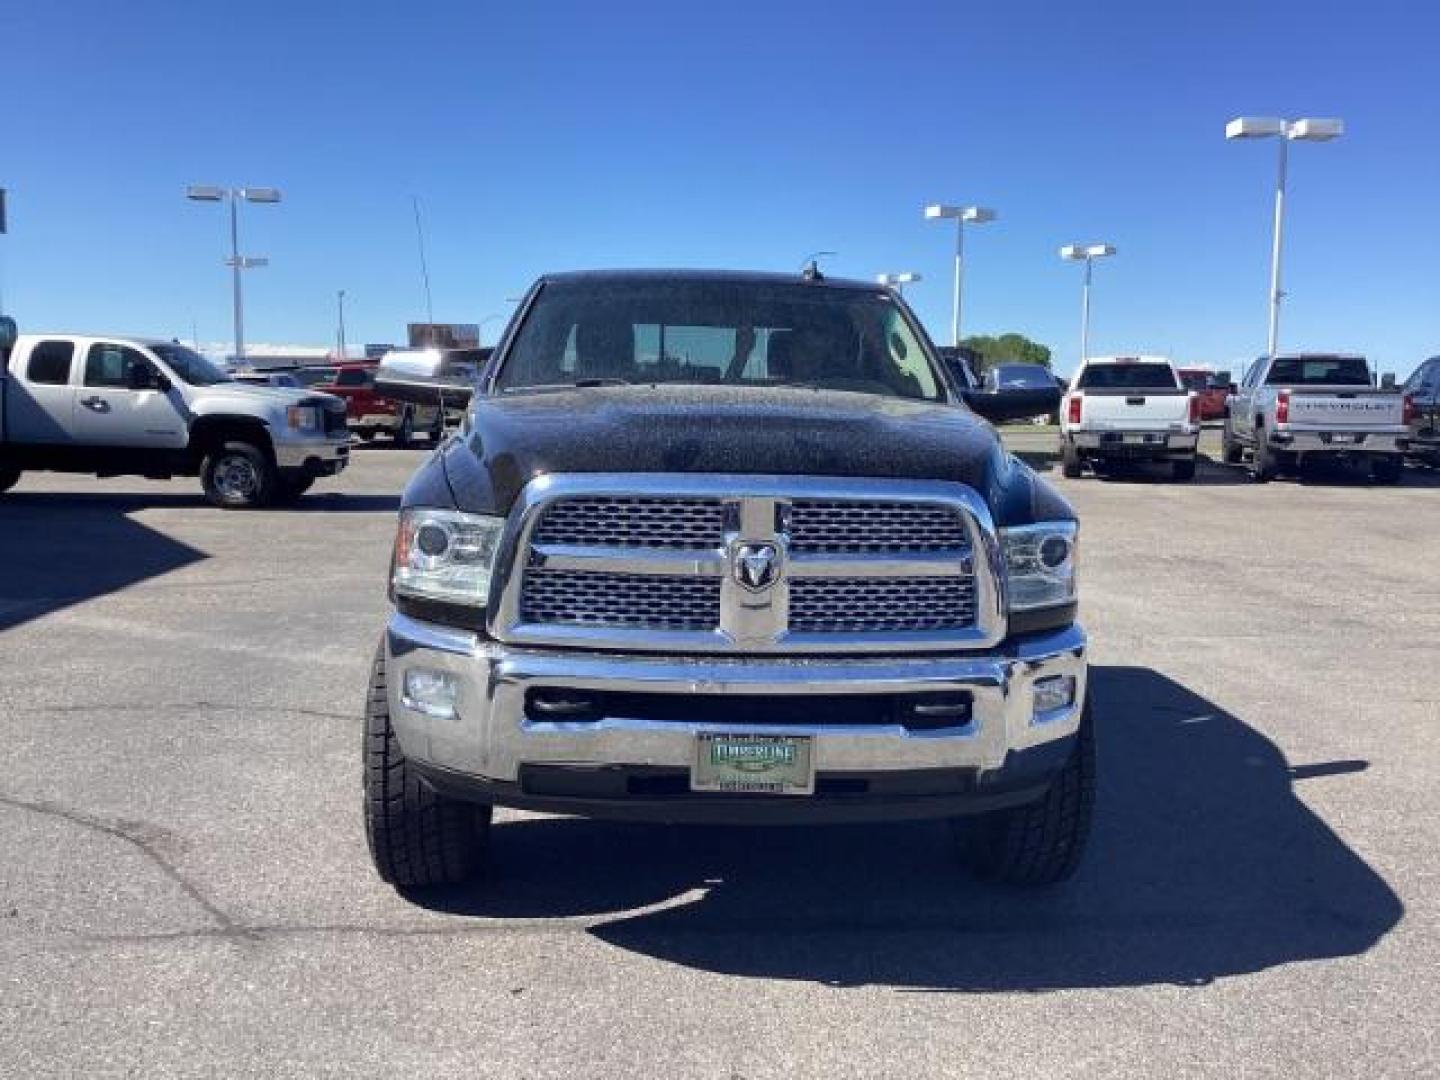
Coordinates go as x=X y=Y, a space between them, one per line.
x=1011 y=348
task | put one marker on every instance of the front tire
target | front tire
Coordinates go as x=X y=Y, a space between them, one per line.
x=1040 y=843
x=417 y=837
x=238 y=476
x=1183 y=469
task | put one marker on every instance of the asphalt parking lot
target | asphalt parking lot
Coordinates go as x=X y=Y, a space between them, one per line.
x=185 y=888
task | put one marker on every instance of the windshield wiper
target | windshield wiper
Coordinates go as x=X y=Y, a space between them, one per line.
x=580 y=383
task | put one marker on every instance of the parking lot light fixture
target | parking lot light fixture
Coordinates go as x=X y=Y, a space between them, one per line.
x=237 y=263
x=1309 y=129
x=1086 y=253
x=974 y=215
x=898 y=281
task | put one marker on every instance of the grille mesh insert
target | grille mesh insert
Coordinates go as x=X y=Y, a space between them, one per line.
x=867 y=605
x=638 y=522
x=582 y=598
x=836 y=527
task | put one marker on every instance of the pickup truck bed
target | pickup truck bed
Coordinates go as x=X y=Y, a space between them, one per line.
x=1133 y=410
x=1299 y=409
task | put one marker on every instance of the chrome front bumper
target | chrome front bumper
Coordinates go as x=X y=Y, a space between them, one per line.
x=321 y=456
x=489 y=736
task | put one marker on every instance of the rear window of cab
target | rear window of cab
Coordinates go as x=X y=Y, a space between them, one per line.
x=1127 y=376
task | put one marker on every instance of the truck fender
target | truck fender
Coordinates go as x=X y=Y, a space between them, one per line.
x=208 y=432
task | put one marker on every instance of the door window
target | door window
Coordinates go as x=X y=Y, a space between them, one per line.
x=110 y=365
x=50 y=363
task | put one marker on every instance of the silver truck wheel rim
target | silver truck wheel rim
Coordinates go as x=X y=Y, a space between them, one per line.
x=236 y=478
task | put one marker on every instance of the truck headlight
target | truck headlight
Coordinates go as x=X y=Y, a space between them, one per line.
x=303 y=418
x=445 y=555
x=1039 y=564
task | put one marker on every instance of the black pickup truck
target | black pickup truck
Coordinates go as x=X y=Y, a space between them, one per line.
x=728 y=548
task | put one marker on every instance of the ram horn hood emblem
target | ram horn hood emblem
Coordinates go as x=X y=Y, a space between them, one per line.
x=756 y=565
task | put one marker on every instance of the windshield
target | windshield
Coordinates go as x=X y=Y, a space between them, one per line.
x=1127 y=377
x=1319 y=371
x=719 y=332
x=189 y=366
x=1021 y=375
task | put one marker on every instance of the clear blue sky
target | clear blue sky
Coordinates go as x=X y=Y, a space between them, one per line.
x=570 y=134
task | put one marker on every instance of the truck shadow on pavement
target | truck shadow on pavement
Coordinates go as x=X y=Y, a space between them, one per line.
x=1203 y=865
x=61 y=549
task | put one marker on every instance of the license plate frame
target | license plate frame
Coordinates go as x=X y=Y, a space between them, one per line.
x=753 y=764
x=1343 y=438
x=1143 y=438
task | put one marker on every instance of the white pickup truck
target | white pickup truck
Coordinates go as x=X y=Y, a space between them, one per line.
x=1310 y=406
x=1129 y=409
x=116 y=406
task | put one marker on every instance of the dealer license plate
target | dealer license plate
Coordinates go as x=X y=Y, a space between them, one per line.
x=1342 y=440
x=754 y=764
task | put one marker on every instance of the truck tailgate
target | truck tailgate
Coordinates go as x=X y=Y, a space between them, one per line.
x=1341 y=410
x=1134 y=410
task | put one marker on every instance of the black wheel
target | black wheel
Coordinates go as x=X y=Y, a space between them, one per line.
x=416 y=836
x=405 y=433
x=238 y=476
x=1182 y=469
x=437 y=432
x=1041 y=842
x=1070 y=463
x=1263 y=467
x=292 y=488
x=1387 y=470
x=9 y=477
x=1230 y=450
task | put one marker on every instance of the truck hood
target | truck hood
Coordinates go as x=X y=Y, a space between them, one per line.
x=707 y=429
x=258 y=398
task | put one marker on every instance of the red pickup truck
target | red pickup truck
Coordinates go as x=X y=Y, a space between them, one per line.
x=1212 y=389
x=368 y=413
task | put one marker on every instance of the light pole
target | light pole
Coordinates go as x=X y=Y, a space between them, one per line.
x=1265 y=127
x=210 y=193
x=340 y=301
x=898 y=281
x=976 y=215
x=1086 y=253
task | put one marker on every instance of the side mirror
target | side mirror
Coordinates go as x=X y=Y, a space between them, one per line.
x=1387 y=381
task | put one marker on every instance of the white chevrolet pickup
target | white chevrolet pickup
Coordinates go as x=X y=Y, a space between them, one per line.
x=1306 y=407
x=116 y=406
x=1129 y=408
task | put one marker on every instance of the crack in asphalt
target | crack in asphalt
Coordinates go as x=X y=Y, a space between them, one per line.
x=133 y=833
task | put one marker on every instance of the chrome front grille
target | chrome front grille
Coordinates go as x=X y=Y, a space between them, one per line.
x=836 y=526
x=880 y=605
x=574 y=598
x=634 y=522
x=667 y=563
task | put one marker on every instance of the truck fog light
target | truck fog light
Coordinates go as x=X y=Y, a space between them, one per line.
x=431 y=692
x=1054 y=692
